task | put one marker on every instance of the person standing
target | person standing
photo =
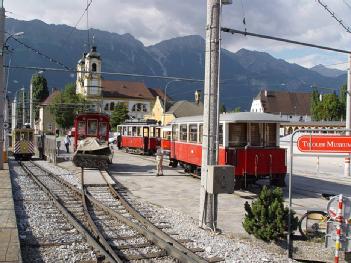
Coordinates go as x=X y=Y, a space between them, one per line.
x=159 y=161
x=67 y=142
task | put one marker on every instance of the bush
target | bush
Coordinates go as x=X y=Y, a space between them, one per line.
x=266 y=218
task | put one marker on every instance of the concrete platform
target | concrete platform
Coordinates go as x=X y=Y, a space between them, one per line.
x=9 y=242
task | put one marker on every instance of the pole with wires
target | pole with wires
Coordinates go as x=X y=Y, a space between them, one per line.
x=2 y=82
x=348 y=116
x=208 y=202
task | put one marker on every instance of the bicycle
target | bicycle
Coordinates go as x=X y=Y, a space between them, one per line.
x=313 y=224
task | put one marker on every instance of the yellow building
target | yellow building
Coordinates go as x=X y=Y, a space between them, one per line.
x=175 y=109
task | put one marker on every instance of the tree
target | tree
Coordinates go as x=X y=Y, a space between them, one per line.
x=119 y=115
x=236 y=109
x=66 y=105
x=222 y=108
x=40 y=92
x=266 y=218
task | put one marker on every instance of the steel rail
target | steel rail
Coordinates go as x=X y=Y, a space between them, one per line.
x=191 y=256
x=151 y=232
x=94 y=228
x=90 y=239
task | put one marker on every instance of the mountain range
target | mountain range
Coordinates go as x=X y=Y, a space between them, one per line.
x=243 y=73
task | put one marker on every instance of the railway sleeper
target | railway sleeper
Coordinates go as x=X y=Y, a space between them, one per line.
x=150 y=255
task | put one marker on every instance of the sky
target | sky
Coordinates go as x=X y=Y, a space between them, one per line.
x=152 y=21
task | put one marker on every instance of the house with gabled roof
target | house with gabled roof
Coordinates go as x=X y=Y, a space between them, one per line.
x=291 y=106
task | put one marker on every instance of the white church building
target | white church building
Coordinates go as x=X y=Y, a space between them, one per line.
x=105 y=94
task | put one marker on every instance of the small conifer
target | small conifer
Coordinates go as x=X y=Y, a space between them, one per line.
x=266 y=218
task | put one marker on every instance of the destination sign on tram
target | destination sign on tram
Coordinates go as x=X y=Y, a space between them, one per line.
x=326 y=144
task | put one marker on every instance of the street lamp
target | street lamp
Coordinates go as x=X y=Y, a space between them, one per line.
x=165 y=98
x=8 y=37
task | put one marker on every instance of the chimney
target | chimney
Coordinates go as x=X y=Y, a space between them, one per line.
x=197 y=96
x=266 y=93
x=93 y=49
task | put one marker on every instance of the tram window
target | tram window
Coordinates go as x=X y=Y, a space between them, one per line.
x=237 y=134
x=256 y=134
x=129 y=130
x=102 y=128
x=220 y=134
x=201 y=128
x=183 y=132
x=175 y=131
x=124 y=131
x=92 y=127
x=158 y=132
x=167 y=135
x=193 y=133
x=139 y=131
x=146 y=132
x=271 y=134
x=134 y=131
x=81 y=128
x=30 y=136
x=152 y=131
x=18 y=136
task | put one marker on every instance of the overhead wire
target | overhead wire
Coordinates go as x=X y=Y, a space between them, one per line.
x=341 y=23
x=77 y=23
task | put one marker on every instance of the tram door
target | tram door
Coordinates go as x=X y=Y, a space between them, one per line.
x=146 y=138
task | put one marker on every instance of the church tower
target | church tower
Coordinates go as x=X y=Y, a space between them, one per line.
x=89 y=82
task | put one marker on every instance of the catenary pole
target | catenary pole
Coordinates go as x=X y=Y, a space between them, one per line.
x=348 y=115
x=208 y=202
x=2 y=81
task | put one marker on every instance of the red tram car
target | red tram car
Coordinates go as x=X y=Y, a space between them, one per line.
x=140 y=137
x=247 y=140
x=91 y=125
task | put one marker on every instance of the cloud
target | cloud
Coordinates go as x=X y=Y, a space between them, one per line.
x=152 y=21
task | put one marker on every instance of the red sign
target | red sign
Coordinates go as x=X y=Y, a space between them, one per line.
x=327 y=144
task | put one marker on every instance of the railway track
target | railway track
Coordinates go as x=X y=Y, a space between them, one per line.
x=110 y=224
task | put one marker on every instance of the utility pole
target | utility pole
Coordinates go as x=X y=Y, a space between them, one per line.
x=23 y=107
x=2 y=81
x=208 y=202
x=348 y=115
x=31 y=122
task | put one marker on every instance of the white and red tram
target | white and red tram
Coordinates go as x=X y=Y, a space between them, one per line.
x=247 y=140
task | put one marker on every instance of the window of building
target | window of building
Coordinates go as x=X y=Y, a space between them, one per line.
x=93 y=67
x=183 y=132
x=139 y=107
x=106 y=107
x=193 y=133
x=112 y=106
x=237 y=134
x=201 y=128
x=175 y=131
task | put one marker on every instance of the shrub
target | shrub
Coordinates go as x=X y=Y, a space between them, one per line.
x=266 y=218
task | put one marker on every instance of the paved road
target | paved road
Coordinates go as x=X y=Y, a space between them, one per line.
x=180 y=192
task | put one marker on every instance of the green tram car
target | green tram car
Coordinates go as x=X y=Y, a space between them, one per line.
x=22 y=143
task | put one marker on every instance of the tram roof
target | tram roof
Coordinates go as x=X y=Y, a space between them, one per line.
x=236 y=117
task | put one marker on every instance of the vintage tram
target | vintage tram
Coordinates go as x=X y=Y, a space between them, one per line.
x=247 y=140
x=90 y=124
x=140 y=137
x=91 y=140
x=23 y=143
